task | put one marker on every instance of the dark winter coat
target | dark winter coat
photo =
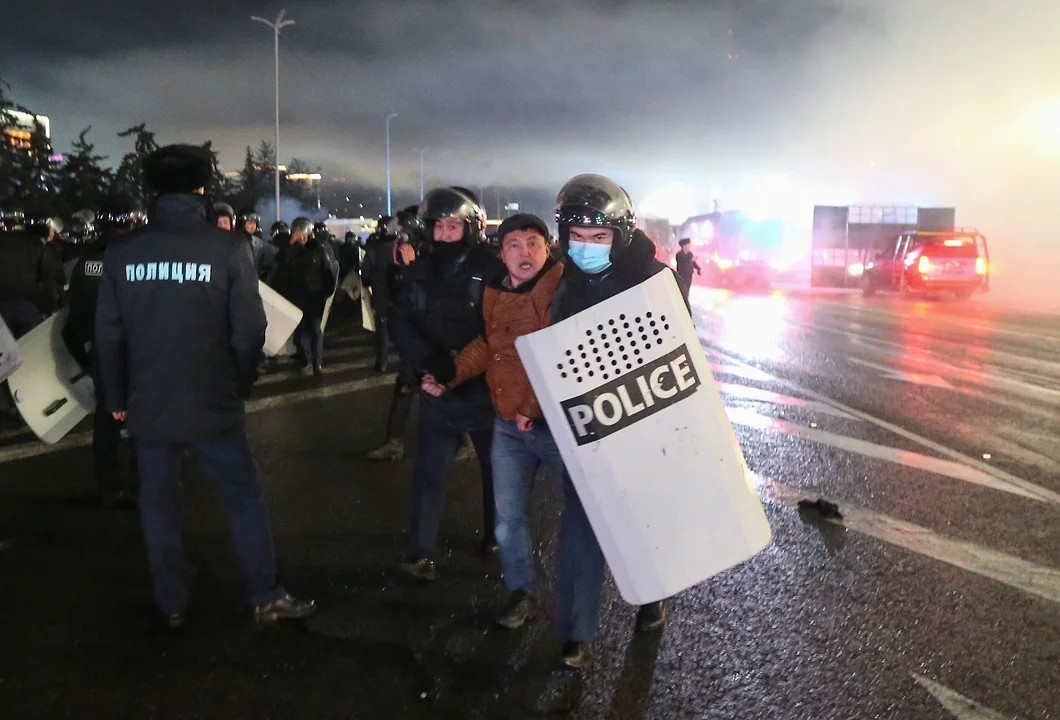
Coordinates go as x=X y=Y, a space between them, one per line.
x=438 y=309
x=578 y=291
x=305 y=275
x=85 y=279
x=30 y=270
x=179 y=325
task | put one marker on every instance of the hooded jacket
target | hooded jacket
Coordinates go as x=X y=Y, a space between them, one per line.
x=438 y=309
x=508 y=314
x=179 y=325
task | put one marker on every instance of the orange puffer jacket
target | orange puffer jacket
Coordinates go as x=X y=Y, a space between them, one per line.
x=509 y=314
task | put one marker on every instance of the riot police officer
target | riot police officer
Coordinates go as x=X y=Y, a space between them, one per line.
x=306 y=275
x=116 y=217
x=179 y=331
x=262 y=254
x=604 y=255
x=437 y=312
x=225 y=214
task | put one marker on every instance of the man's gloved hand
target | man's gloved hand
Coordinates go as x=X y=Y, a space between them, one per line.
x=441 y=366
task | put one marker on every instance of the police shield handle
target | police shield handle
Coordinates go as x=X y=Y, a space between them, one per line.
x=10 y=356
x=51 y=391
x=628 y=394
x=282 y=316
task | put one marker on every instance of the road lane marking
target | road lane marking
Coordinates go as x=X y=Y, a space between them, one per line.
x=276 y=376
x=958 y=705
x=993 y=379
x=896 y=429
x=748 y=372
x=917 y=461
x=1008 y=569
x=35 y=447
x=745 y=392
x=915 y=378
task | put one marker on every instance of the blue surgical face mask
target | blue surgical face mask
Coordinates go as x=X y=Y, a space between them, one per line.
x=590 y=257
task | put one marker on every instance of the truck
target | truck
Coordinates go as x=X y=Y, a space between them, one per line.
x=736 y=249
x=844 y=237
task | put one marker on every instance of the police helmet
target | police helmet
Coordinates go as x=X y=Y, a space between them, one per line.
x=454 y=202
x=595 y=201
x=223 y=209
x=119 y=213
x=410 y=227
x=42 y=224
x=83 y=226
x=248 y=215
x=279 y=227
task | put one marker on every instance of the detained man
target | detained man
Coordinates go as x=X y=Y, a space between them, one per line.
x=516 y=304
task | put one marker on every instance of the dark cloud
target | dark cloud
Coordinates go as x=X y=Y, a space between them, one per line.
x=829 y=101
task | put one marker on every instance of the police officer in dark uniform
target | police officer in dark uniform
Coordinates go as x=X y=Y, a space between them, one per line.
x=179 y=331
x=262 y=254
x=116 y=217
x=604 y=255
x=437 y=313
x=305 y=275
x=384 y=271
x=686 y=265
x=225 y=215
x=31 y=274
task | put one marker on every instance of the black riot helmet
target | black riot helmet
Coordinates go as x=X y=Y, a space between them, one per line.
x=410 y=227
x=595 y=201
x=454 y=202
x=119 y=213
x=223 y=209
x=279 y=227
x=248 y=215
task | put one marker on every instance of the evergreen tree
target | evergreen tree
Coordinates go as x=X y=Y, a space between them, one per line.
x=81 y=181
x=129 y=178
x=217 y=187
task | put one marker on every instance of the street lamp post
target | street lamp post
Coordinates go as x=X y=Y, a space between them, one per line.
x=421 y=151
x=390 y=116
x=276 y=26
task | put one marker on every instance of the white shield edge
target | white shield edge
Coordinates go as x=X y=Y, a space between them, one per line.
x=282 y=316
x=653 y=573
x=51 y=391
x=10 y=356
x=367 y=314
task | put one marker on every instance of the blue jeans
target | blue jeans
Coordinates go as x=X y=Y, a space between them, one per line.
x=580 y=571
x=442 y=424
x=516 y=458
x=228 y=462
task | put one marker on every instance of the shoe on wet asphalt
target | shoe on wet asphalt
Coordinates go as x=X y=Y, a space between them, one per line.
x=390 y=450
x=521 y=608
x=576 y=655
x=419 y=568
x=285 y=608
x=652 y=617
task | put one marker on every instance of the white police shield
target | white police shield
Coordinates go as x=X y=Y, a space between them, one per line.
x=282 y=316
x=51 y=391
x=10 y=356
x=367 y=314
x=628 y=394
x=327 y=312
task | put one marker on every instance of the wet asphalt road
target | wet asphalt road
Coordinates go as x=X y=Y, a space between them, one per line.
x=934 y=426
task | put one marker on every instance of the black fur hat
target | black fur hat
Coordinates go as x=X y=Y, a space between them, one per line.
x=178 y=169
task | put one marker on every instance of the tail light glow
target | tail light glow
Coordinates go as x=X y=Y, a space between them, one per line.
x=923 y=265
x=980 y=265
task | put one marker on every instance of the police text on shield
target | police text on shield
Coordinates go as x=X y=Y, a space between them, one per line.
x=631 y=397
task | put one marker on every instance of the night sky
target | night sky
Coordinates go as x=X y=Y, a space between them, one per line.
x=947 y=102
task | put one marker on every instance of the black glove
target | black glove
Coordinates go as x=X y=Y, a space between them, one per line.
x=441 y=366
